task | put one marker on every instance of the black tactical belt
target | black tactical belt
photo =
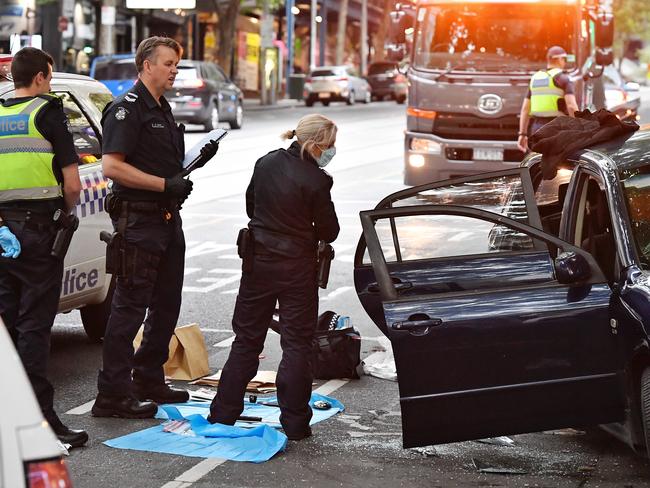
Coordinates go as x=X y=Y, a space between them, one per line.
x=17 y=215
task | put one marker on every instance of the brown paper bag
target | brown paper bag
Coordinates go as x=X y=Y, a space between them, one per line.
x=188 y=356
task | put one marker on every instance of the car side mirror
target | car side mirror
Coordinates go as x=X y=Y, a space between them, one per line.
x=632 y=86
x=571 y=267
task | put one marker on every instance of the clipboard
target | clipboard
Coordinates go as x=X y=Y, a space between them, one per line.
x=194 y=153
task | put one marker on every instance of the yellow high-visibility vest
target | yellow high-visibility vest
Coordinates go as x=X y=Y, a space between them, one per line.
x=545 y=94
x=26 y=171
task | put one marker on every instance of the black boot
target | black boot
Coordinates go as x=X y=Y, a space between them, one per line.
x=74 y=437
x=124 y=407
x=160 y=393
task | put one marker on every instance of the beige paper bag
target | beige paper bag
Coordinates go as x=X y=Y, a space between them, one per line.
x=188 y=356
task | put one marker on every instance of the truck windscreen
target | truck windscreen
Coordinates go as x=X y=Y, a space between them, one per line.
x=493 y=36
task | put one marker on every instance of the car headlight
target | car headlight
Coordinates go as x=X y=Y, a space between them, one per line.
x=426 y=145
x=416 y=160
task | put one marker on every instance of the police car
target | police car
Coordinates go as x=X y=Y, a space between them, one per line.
x=86 y=286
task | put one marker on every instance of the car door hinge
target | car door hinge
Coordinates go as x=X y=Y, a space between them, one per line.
x=613 y=323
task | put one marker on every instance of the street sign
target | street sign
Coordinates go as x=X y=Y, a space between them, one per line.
x=108 y=15
x=266 y=31
x=158 y=4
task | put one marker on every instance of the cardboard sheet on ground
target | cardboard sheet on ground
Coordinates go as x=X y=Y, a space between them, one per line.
x=263 y=382
x=254 y=442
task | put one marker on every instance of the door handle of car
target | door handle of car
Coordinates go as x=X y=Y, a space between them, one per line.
x=397 y=283
x=416 y=327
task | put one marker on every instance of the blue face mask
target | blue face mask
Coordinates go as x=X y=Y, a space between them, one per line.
x=326 y=156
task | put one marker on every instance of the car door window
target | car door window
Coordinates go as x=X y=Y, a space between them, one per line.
x=84 y=135
x=549 y=197
x=592 y=227
x=219 y=76
x=212 y=72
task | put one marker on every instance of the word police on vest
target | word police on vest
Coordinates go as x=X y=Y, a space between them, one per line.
x=14 y=124
x=73 y=282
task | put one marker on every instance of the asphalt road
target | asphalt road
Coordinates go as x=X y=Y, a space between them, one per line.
x=361 y=447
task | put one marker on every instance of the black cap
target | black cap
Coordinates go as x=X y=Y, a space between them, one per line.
x=556 y=52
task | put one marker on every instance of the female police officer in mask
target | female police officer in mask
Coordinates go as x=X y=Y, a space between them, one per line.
x=290 y=207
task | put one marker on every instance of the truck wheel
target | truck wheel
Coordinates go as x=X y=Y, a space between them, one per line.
x=401 y=99
x=645 y=407
x=95 y=317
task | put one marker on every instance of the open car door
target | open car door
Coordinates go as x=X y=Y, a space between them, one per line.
x=497 y=327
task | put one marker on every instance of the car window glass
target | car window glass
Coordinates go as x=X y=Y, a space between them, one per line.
x=322 y=72
x=549 y=197
x=100 y=100
x=636 y=186
x=442 y=236
x=123 y=70
x=187 y=73
x=85 y=138
x=218 y=75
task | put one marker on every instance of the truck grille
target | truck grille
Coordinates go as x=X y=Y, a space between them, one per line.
x=471 y=127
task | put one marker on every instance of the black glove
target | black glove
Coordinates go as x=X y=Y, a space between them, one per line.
x=207 y=153
x=178 y=187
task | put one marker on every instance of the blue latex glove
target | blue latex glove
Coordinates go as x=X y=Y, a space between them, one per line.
x=9 y=243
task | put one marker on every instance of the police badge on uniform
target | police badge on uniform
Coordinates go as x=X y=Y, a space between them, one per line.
x=120 y=113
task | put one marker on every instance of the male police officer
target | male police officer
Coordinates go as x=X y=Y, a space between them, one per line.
x=142 y=153
x=550 y=94
x=36 y=155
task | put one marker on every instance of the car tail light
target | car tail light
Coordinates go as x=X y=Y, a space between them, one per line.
x=343 y=78
x=48 y=474
x=308 y=79
x=190 y=83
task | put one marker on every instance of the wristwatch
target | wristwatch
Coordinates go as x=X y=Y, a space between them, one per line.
x=521 y=134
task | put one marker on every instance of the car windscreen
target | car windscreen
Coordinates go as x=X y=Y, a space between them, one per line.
x=636 y=186
x=493 y=37
x=381 y=68
x=322 y=72
x=187 y=73
x=124 y=70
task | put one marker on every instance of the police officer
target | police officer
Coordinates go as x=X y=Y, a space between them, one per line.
x=290 y=207
x=38 y=176
x=142 y=153
x=550 y=94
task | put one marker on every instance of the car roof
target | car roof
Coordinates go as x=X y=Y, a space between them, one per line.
x=59 y=80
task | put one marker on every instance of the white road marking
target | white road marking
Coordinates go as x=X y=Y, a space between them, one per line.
x=189 y=271
x=225 y=342
x=195 y=473
x=230 y=292
x=207 y=247
x=81 y=409
x=216 y=282
x=216 y=330
x=330 y=387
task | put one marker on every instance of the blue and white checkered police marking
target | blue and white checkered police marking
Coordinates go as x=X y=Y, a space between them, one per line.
x=94 y=188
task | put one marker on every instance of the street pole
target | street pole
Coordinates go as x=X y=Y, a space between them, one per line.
x=289 y=15
x=323 y=33
x=364 y=36
x=312 y=35
x=107 y=32
x=266 y=29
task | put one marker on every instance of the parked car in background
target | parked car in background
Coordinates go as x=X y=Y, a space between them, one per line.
x=85 y=286
x=545 y=327
x=117 y=72
x=29 y=452
x=386 y=81
x=621 y=98
x=327 y=84
x=204 y=95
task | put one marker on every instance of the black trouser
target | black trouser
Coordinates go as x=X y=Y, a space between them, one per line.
x=154 y=291
x=292 y=283
x=30 y=286
x=537 y=123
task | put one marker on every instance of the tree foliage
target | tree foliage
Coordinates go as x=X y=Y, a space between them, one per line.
x=632 y=18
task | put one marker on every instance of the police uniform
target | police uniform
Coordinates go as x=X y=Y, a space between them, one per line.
x=35 y=145
x=290 y=207
x=546 y=92
x=137 y=126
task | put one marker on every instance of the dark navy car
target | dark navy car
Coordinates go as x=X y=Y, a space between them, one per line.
x=516 y=304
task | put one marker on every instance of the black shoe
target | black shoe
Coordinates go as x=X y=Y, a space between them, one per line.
x=124 y=407
x=299 y=436
x=160 y=394
x=73 y=437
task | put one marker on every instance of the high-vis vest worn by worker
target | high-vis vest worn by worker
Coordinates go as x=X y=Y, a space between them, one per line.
x=545 y=94
x=26 y=157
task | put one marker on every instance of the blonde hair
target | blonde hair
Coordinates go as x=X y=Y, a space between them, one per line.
x=312 y=130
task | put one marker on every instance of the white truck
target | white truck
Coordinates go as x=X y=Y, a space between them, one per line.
x=85 y=286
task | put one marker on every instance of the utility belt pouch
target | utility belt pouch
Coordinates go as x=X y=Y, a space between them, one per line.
x=112 y=205
x=115 y=253
x=325 y=257
x=66 y=227
x=246 y=249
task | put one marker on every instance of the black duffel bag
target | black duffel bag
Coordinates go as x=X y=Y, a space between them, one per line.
x=336 y=353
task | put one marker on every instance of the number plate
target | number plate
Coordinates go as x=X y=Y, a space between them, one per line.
x=323 y=95
x=489 y=154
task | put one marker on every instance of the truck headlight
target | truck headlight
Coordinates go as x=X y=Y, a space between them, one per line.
x=416 y=160
x=426 y=145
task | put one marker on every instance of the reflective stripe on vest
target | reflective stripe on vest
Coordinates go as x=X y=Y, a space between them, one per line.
x=26 y=157
x=545 y=94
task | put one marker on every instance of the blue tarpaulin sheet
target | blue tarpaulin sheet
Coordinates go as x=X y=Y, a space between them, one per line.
x=253 y=442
